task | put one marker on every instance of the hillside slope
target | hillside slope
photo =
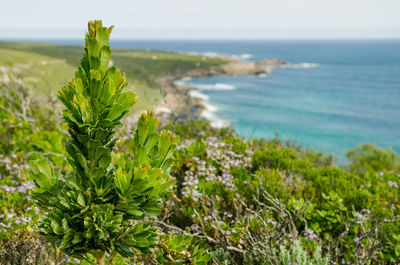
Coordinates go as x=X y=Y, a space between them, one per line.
x=45 y=68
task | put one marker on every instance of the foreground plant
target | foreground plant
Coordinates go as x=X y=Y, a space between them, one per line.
x=102 y=205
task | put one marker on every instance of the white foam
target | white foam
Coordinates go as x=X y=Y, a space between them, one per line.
x=208 y=112
x=197 y=94
x=300 y=65
x=214 y=120
x=209 y=107
x=243 y=56
x=182 y=82
x=217 y=86
x=308 y=65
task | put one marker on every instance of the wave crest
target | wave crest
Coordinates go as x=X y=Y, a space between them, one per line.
x=216 y=86
x=197 y=94
x=182 y=82
x=300 y=65
x=214 y=120
x=243 y=56
x=208 y=112
x=240 y=57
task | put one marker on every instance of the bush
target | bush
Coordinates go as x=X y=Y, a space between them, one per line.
x=371 y=158
x=293 y=255
x=102 y=205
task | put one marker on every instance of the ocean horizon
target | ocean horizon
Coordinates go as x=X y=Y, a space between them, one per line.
x=332 y=95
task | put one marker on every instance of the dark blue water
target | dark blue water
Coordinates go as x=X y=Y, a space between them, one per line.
x=349 y=94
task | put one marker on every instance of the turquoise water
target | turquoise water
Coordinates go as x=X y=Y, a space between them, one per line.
x=347 y=94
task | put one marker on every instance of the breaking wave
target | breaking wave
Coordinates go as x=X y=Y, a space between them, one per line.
x=197 y=94
x=217 y=86
x=300 y=65
x=214 y=120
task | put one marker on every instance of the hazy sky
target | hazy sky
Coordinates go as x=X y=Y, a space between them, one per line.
x=185 y=19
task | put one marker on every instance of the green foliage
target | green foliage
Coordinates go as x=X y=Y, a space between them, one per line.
x=330 y=208
x=25 y=134
x=293 y=255
x=222 y=256
x=181 y=249
x=102 y=206
x=371 y=158
x=232 y=210
x=327 y=219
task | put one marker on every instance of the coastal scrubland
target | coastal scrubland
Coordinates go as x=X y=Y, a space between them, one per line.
x=235 y=201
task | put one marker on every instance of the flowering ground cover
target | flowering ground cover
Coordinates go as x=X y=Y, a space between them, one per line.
x=234 y=202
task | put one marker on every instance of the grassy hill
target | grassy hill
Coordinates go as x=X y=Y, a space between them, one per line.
x=45 y=68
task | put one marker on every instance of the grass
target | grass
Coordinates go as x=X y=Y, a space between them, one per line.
x=41 y=75
x=45 y=68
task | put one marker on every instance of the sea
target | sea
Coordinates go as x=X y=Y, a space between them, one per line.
x=331 y=96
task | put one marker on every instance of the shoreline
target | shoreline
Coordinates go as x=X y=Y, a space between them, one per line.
x=178 y=103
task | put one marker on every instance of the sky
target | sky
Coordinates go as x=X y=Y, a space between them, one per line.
x=203 y=19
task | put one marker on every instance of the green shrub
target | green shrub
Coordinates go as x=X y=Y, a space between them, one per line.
x=372 y=158
x=103 y=204
x=292 y=255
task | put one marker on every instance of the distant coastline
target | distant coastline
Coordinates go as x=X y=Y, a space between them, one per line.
x=181 y=101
